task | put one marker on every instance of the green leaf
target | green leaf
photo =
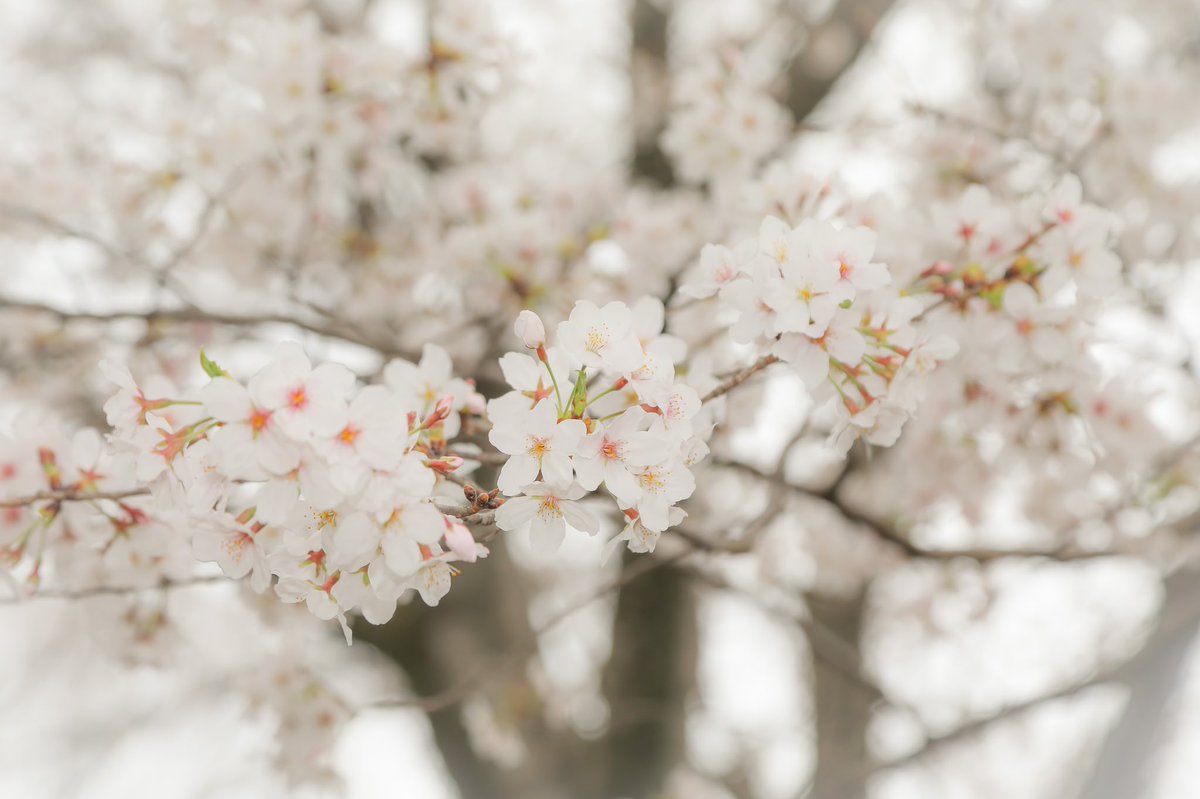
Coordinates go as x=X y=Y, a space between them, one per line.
x=210 y=367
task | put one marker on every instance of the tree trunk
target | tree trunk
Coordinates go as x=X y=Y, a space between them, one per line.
x=650 y=75
x=648 y=680
x=480 y=622
x=843 y=708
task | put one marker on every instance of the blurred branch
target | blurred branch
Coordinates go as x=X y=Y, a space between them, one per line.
x=887 y=534
x=116 y=590
x=1180 y=615
x=826 y=645
x=737 y=378
x=72 y=496
x=193 y=314
x=833 y=47
x=39 y=219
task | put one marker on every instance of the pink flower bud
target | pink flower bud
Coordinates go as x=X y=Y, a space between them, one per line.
x=440 y=412
x=447 y=464
x=530 y=330
x=460 y=541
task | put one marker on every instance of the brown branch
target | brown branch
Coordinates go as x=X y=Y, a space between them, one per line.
x=889 y=535
x=1174 y=618
x=116 y=590
x=192 y=314
x=737 y=378
x=72 y=496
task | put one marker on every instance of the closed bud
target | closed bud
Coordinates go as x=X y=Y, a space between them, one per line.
x=530 y=330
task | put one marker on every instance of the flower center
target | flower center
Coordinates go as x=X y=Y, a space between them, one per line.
x=259 y=420
x=652 y=480
x=349 y=435
x=549 y=508
x=537 y=446
x=597 y=339
x=610 y=450
x=298 y=399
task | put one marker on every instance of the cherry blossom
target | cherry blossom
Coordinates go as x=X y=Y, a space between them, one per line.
x=547 y=511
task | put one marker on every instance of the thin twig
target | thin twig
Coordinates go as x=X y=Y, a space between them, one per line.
x=737 y=378
x=115 y=590
x=72 y=496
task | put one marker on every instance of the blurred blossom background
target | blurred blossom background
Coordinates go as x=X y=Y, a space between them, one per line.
x=989 y=608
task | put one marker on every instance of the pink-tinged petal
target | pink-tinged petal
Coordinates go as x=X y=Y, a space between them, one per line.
x=566 y=436
x=335 y=378
x=516 y=512
x=506 y=438
x=354 y=541
x=226 y=400
x=423 y=522
x=271 y=386
x=276 y=453
x=317 y=488
x=379 y=452
x=402 y=554
x=433 y=583
x=321 y=605
x=327 y=414
x=436 y=364
x=542 y=420
x=520 y=371
x=274 y=502
x=377 y=611
x=822 y=310
x=556 y=469
x=871 y=276
x=517 y=472
x=622 y=484
x=461 y=542
x=260 y=576
x=402 y=375
x=236 y=451
x=118 y=374
x=846 y=344
x=589 y=472
x=808 y=359
x=580 y=518
x=294 y=423
x=624 y=354
x=627 y=422
x=653 y=513
x=546 y=534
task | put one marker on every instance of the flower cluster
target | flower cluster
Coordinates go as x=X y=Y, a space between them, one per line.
x=723 y=122
x=602 y=406
x=812 y=296
x=302 y=478
x=71 y=514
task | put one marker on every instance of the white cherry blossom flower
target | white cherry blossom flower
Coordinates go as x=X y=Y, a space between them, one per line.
x=547 y=511
x=537 y=442
x=304 y=402
x=601 y=338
